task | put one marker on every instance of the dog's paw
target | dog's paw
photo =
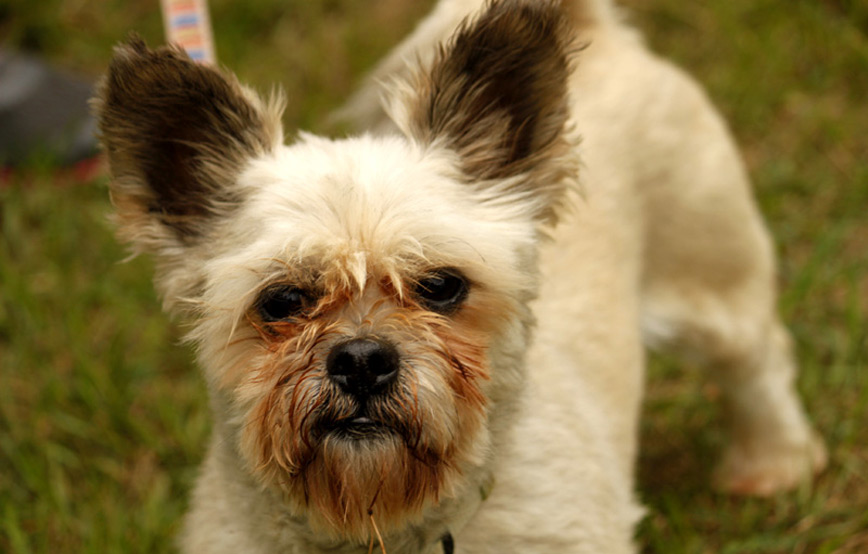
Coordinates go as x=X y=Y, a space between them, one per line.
x=769 y=470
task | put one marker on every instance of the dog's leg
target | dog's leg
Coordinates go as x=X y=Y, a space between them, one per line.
x=773 y=447
x=709 y=295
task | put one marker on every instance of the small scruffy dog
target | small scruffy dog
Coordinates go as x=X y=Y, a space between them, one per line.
x=430 y=339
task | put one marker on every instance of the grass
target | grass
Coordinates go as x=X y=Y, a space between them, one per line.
x=103 y=418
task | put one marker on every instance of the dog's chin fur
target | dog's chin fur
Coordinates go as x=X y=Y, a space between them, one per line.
x=471 y=182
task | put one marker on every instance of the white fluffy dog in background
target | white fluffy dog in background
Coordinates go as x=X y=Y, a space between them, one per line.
x=427 y=338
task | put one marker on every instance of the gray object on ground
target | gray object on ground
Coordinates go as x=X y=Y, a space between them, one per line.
x=43 y=113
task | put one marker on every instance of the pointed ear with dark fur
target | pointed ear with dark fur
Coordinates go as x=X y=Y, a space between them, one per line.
x=177 y=134
x=496 y=94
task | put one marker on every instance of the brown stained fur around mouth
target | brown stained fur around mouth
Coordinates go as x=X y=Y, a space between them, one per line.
x=336 y=479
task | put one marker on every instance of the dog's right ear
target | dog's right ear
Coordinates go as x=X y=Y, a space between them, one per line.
x=496 y=94
x=177 y=134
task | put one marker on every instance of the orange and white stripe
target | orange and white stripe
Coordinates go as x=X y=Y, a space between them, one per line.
x=187 y=24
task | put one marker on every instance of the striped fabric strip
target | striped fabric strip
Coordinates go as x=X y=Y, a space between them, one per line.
x=188 y=25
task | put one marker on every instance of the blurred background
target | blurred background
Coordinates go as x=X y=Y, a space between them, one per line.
x=103 y=418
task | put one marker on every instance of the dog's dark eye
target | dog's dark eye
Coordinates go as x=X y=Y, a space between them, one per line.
x=442 y=291
x=279 y=302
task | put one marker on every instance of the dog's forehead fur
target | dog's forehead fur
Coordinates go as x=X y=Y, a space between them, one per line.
x=349 y=210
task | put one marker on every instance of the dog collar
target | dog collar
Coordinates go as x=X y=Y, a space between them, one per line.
x=448 y=543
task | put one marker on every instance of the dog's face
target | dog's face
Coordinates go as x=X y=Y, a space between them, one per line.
x=359 y=305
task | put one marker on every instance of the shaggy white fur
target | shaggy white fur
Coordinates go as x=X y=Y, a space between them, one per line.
x=503 y=306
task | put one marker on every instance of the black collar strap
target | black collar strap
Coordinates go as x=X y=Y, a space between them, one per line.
x=448 y=543
x=446 y=540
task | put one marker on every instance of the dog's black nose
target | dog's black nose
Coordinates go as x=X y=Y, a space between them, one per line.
x=363 y=366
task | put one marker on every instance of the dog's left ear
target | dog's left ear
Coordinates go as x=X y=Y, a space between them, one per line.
x=496 y=94
x=177 y=134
